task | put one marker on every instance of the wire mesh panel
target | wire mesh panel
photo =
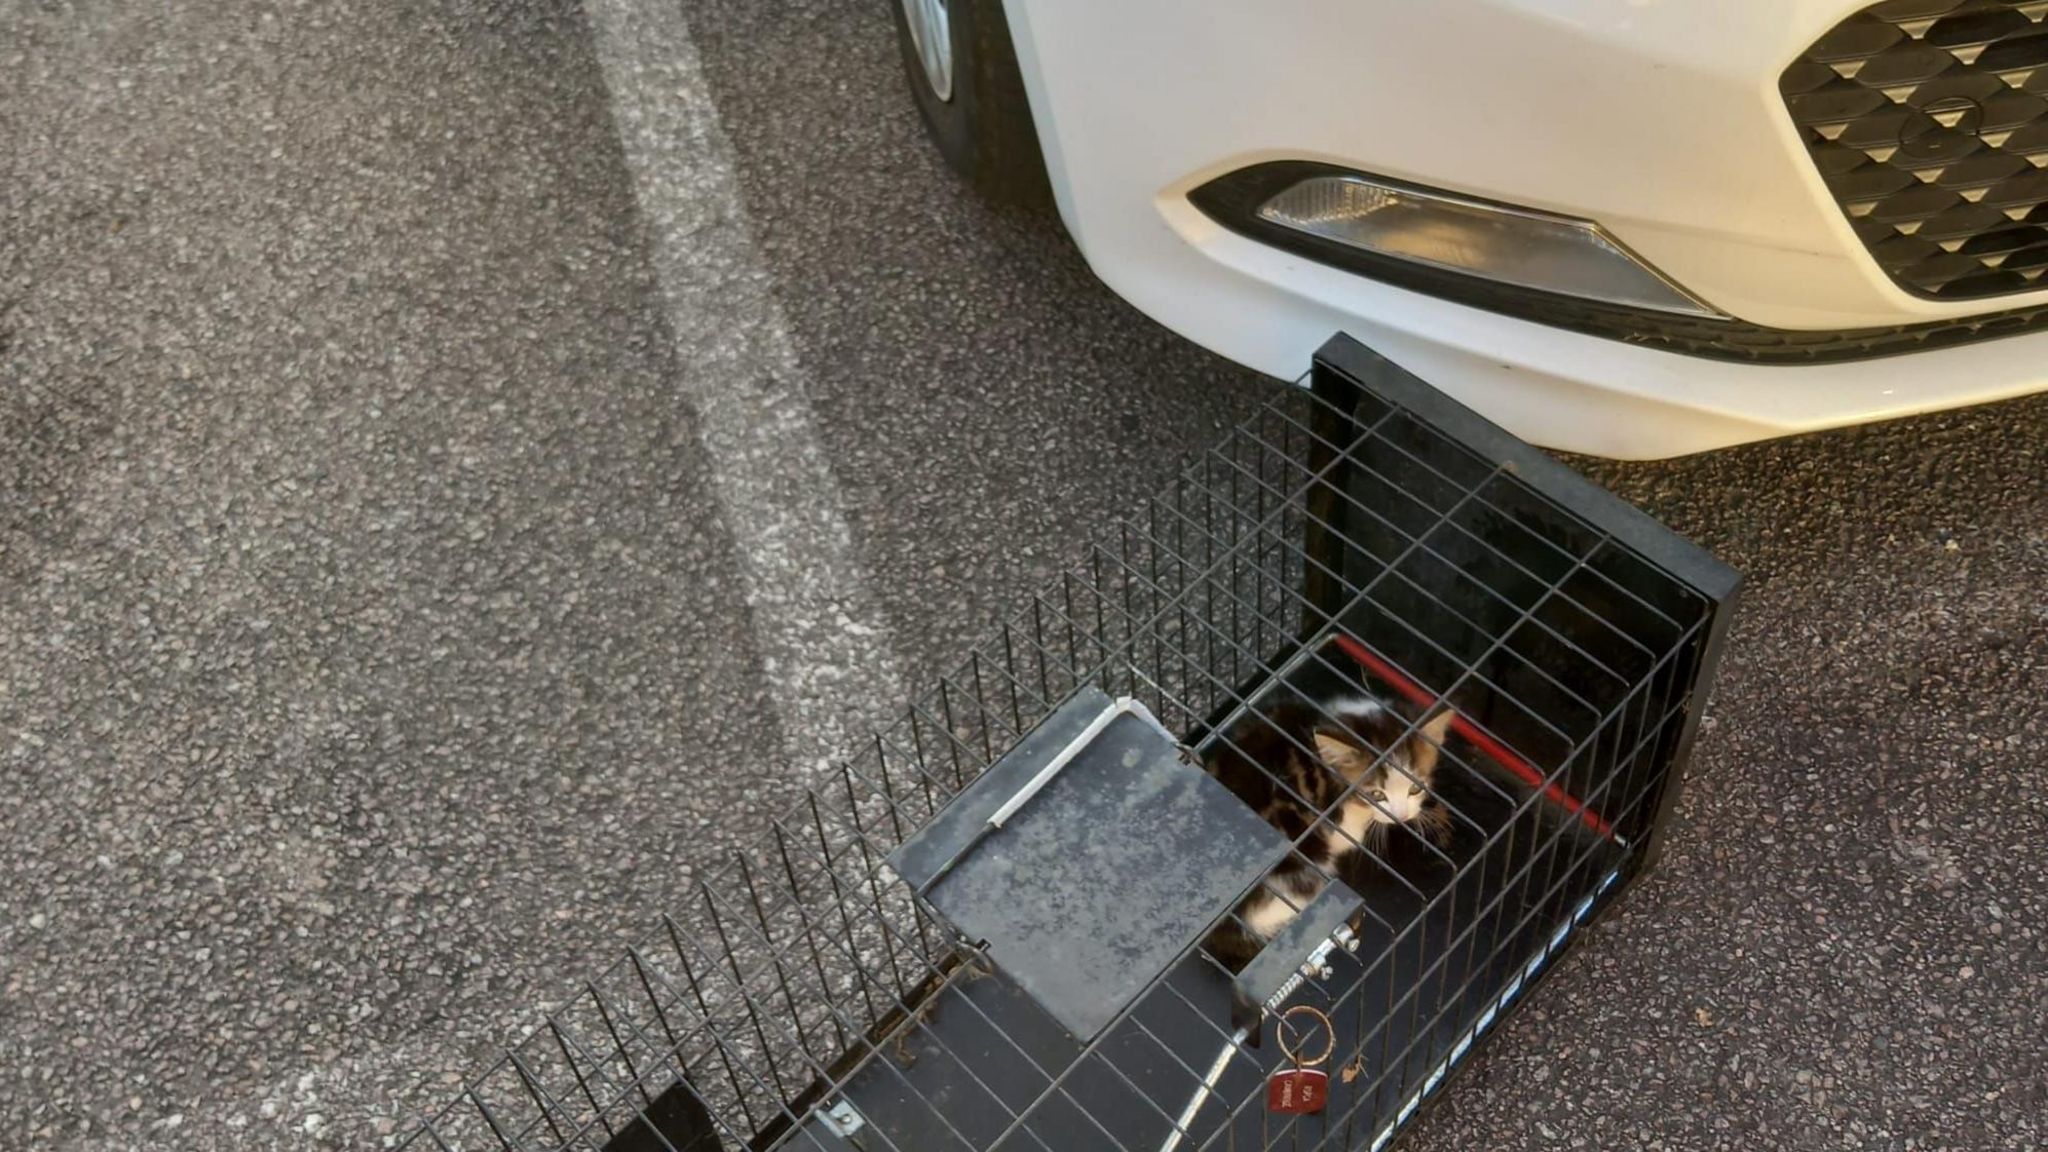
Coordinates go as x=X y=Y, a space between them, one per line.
x=1459 y=681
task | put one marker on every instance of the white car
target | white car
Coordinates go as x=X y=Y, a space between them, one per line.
x=1633 y=228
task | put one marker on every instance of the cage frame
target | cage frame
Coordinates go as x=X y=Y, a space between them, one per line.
x=1343 y=367
x=1343 y=371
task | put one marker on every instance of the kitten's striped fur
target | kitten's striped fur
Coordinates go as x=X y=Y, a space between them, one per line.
x=1295 y=763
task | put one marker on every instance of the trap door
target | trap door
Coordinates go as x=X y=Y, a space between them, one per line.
x=1089 y=859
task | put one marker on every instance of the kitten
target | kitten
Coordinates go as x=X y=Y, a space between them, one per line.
x=1368 y=791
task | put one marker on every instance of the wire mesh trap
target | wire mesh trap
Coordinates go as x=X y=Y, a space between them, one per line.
x=1002 y=923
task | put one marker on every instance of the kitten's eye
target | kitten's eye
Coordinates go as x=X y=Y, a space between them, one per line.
x=1376 y=796
x=1415 y=791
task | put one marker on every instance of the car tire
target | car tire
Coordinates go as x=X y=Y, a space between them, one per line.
x=981 y=121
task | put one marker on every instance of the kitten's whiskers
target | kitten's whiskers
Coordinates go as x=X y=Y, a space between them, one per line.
x=1434 y=824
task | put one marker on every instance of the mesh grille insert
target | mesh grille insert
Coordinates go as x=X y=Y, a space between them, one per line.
x=1928 y=120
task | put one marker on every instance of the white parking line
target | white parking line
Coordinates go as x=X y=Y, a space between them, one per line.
x=824 y=647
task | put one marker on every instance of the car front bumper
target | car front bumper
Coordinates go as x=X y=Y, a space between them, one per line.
x=1664 y=123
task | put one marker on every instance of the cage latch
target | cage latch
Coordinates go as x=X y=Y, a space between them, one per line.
x=1247 y=1017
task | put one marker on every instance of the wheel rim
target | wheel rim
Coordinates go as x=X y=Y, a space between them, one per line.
x=931 y=32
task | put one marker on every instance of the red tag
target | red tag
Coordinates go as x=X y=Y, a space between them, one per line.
x=1298 y=1091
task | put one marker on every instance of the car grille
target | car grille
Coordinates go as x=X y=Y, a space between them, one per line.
x=1928 y=119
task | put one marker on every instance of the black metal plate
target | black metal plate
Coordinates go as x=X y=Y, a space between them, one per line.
x=1091 y=891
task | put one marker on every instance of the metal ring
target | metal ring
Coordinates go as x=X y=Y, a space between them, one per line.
x=1329 y=1029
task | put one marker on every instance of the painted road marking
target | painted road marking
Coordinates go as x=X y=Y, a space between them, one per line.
x=825 y=649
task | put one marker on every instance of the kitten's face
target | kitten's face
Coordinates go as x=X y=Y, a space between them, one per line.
x=1390 y=788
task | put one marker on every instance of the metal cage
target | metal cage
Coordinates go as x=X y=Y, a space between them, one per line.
x=1367 y=534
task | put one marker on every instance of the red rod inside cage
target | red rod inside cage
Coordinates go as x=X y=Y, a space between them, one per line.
x=1496 y=751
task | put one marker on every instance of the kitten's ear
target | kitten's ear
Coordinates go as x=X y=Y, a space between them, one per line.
x=1340 y=753
x=1428 y=742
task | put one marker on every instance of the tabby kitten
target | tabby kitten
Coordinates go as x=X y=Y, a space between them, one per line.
x=1370 y=792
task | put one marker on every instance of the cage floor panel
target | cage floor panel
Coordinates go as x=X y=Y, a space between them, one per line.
x=984 y=1053
x=1448 y=938
x=1549 y=643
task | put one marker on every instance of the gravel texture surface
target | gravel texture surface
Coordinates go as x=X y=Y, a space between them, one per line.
x=374 y=655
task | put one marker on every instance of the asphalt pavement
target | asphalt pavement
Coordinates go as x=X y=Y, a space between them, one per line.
x=382 y=639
